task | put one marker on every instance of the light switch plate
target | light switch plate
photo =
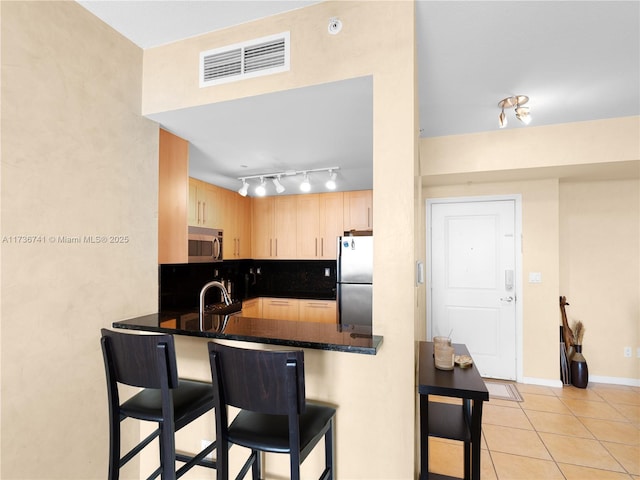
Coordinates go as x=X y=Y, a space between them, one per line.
x=535 y=277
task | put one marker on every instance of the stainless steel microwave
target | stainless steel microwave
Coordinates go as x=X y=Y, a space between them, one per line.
x=205 y=245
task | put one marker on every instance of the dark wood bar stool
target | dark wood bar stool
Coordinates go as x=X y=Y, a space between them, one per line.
x=269 y=388
x=149 y=362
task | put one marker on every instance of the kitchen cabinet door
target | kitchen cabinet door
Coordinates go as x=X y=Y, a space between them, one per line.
x=322 y=311
x=252 y=308
x=331 y=216
x=173 y=174
x=243 y=230
x=236 y=223
x=202 y=204
x=285 y=220
x=358 y=210
x=280 y=308
x=320 y=218
x=262 y=227
x=273 y=227
x=210 y=206
x=308 y=226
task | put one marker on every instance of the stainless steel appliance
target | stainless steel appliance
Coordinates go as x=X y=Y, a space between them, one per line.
x=205 y=245
x=355 y=281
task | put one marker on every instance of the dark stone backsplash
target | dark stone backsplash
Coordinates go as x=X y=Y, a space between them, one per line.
x=180 y=284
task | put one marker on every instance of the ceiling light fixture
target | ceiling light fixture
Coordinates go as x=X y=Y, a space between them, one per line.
x=244 y=189
x=517 y=102
x=275 y=177
x=305 y=186
x=331 y=183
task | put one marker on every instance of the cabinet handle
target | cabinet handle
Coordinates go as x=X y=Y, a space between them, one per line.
x=316 y=240
x=271 y=247
x=322 y=247
x=276 y=247
x=199 y=212
x=369 y=217
x=204 y=212
x=317 y=305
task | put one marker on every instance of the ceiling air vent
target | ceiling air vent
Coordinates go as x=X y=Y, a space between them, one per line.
x=262 y=56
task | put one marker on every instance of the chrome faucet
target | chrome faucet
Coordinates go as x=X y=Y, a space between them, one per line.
x=225 y=296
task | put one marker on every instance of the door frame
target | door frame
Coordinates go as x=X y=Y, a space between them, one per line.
x=517 y=199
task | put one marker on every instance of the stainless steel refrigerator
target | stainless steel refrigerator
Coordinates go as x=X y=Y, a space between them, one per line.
x=354 y=281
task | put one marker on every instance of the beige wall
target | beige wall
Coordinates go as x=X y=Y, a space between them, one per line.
x=567 y=145
x=570 y=228
x=77 y=159
x=600 y=271
x=375 y=395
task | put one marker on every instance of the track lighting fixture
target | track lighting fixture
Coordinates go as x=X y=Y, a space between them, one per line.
x=276 y=178
x=517 y=102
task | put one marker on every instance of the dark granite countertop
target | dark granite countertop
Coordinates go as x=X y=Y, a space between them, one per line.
x=320 y=336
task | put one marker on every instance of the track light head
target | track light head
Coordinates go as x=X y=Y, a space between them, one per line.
x=502 y=119
x=244 y=189
x=331 y=183
x=522 y=114
x=305 y=186
x=261 y=189
x=279 y=187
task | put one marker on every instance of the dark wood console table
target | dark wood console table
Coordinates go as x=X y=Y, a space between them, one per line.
x=462 y=423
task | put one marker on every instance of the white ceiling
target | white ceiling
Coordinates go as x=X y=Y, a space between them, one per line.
x=576 y=60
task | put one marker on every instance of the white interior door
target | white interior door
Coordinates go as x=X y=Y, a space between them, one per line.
x=473 y=290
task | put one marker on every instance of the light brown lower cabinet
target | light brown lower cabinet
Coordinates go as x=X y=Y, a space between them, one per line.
x=252 y=308
x=320 y=311
x=280 y=308
x=323 y=311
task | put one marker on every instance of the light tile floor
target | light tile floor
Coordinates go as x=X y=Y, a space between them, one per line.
x=555 y=433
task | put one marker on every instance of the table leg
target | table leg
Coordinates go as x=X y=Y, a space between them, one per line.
x=466 y=410
x=424 y=437
x=476 y=433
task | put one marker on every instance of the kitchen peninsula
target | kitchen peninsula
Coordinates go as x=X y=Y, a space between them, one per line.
x=290 y=333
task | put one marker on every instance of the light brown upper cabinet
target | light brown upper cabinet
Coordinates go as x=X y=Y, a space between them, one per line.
x=320 y=221
x=358 y=210
x=173 y=172
x=203 y=204
x=235 y=213
x=273 y=227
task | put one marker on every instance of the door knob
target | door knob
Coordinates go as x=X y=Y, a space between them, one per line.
x=508 y=299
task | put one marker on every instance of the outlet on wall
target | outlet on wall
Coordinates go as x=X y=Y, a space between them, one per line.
x=638 y=352
x=627 y=352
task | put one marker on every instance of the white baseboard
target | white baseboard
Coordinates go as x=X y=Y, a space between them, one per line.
x=631 y=382
x=547 y=382
x=544 y=382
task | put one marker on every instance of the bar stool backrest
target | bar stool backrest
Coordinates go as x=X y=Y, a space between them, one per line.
x=140 y=360
x=260 y=381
